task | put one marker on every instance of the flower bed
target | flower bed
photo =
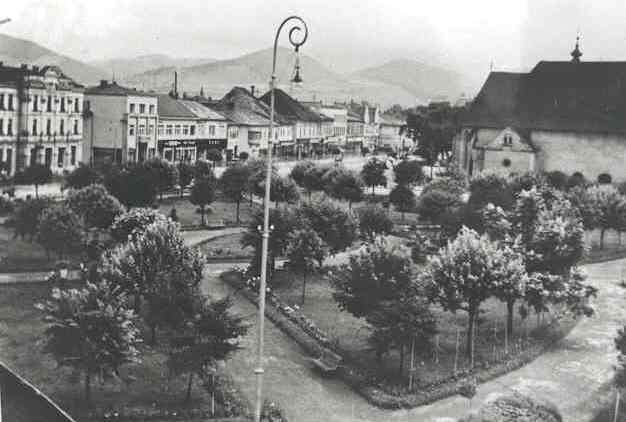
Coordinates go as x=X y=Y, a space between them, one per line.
x=378 y=393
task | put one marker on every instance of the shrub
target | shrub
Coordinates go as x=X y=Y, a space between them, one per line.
x=36 y=175
x=243 y=156
x=83 y=176
x=134 y=222
x=26 y=217
x=95 y=206
x=576 y=179
x=556 y=179
x=604 y=178
x=373 y=220
x=60 y=230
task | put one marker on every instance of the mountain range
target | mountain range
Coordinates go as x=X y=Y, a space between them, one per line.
x=403 y=81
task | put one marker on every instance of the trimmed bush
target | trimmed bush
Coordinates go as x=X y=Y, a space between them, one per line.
x=604 y=178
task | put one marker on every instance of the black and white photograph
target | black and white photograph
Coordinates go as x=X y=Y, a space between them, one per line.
x=312 y=211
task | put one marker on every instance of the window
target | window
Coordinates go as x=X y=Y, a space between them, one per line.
x=177 y=130
x=151 y=108
x=142 y=108
x=11 y=102
x=76 y=127
x=10 y=127
x=142 y=129
x=48 y=127
x=76 y=106
x=62 y=127
x=212 y=130
x=1 y=101
x=185 y=130
x=508 y=140
x=233 y=132
x=131 y=130
x=35 y=102
x=168 y=130
x=62 y=104
x=9 y=159
x=49 y=104
x=60 y=157
x=192 y=130
x=34 y=131
x=132 y=108
x=1 y=127
x=161 y=130
x=150 y=129
x=73 y=156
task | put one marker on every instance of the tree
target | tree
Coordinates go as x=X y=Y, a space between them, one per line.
x=202 y=169
x=133 y=222
x=164 y=174
x=373 y=173
x=608 y=202
x=36 y=174
x=214 y=155
x=26 y=216
x=337 y=228
x=234 y=184
x=83 y=176
x=299 y=171
x=133 y=185
x=313 y=179
x=91 y=330
x=60 y=230
x=374 y=220
x=211 y=335
x=283 y=189
x=556 y=179
x=408 y=172
x=282 y=223
x=185 y=174
x=159 y=267
x=467 y=271
x=306 y=252
x=442 y=207
x=202 y=194
x=243 y=155
x=403 y=198
x=95 y=206
x=344 y=185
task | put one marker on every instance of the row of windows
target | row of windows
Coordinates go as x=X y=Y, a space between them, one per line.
x=6 y=158
x=142 y=108
x=189 y=130
x=35 y=130
x=141 y=130
x=44 y=156
x=8 y=129
x=6 y=102
x=66 y=104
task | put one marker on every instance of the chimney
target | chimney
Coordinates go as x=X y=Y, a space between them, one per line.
x=252 y=90
x=103 y=83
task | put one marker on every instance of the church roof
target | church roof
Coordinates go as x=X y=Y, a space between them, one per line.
x=557 y=96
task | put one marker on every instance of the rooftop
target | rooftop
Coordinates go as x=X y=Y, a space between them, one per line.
x=201 y=111
x=290 y=108
x=241 y=107
x=112 y=88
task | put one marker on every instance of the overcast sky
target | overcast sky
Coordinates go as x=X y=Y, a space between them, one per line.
x=344 y=34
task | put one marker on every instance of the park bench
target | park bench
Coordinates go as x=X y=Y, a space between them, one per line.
x=328 y=362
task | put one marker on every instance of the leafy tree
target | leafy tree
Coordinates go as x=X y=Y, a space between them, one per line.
x=608 y=202
x=582 y=200
x=337 y=228
x=95 y=206
x=467 y=271
x=83 y=176
x=234 y=184
x=374 y=220
x=60 y=230
x=408 y=172
x=36 y=174
x=186 y=173
x=133 y=222
x=313 y=179
x=282 y=223
x=441 y=207
x=576 y=179
x=26 y=216
x=306 y=252
x=258 y=171
x=91 y=330
x=373 y=173
x=243 y=155
x=214 y=155
x=403 y=198
x=133 y=185
x=210 y=336
x=556 y=179
x=202 y=194
x=202 y=169
x=299 y=170
x=283 y=189
x=164 y=174
x=159 y=267
x=344 y=185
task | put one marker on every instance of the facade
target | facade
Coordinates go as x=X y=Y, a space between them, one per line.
x=565 y=116
x=355 y=132
x=212 y=129
x=370 y=115
x=120 y=124
x=40 y=119
x=392 y=134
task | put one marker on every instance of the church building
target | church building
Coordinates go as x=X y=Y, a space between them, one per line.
x=568 y=116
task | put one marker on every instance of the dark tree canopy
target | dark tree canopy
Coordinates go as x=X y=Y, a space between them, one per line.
x=374 y=220
x=36 y=174
x=373 y=173
x=234 y=184
x=60 y=230
x=83 y=176
x=132 y=185
x=403 y=198
x=336 y=227
x=202 y=194
x=95 y=206
x=408 y=172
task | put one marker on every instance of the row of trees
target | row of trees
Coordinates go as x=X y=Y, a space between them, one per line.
x=148 y=283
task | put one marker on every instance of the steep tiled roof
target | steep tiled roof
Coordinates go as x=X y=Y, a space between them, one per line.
x=289 y=107
x=201 y=111
x=112 y=88
x=564 y=96
x=172 y=108
x=241 y=107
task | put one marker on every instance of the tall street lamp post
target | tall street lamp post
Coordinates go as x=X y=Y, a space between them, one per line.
x=298 y=25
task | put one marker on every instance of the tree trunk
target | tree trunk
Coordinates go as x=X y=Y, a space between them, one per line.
x=88 y=387
x=401 y=360
x=602 y=238
x=470 y=333
x=189 y=383
x=36 y=191
x=202 y=215
x=153 y=334
x=349 y=205
x=237 y=219
x=510 y=306
x=303 y=286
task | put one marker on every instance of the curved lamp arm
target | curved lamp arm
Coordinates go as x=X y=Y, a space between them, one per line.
x=298 y=25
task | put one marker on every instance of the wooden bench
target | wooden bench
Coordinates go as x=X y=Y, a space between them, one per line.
x=328 y=362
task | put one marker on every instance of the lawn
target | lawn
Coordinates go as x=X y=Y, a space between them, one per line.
x=142 y=387
x=227 y=246
x=351 y=333
x=23 y=255
x=221 y=211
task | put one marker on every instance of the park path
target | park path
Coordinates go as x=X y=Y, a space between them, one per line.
x=572 y=375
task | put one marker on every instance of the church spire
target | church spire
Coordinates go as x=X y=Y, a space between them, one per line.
x=576 y=53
